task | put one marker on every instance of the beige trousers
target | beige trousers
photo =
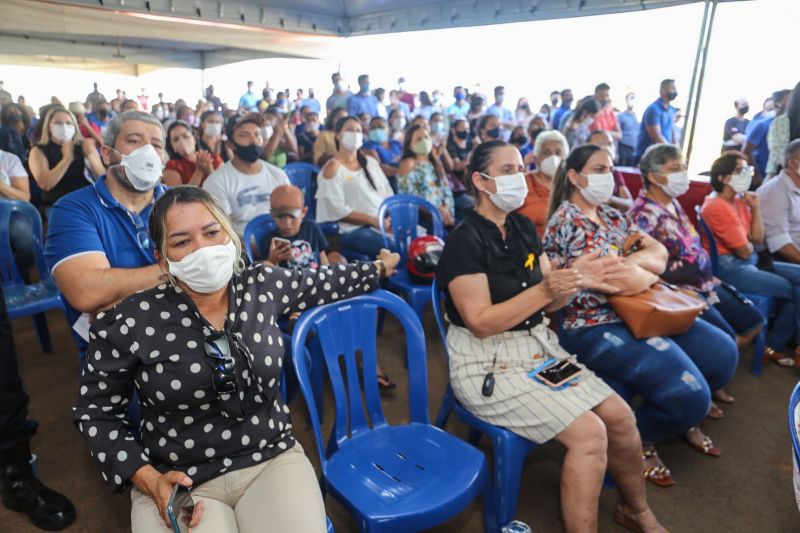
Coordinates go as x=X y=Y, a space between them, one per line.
x=280 y=495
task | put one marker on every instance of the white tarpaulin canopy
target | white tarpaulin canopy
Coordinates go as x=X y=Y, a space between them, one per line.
x=135 y=36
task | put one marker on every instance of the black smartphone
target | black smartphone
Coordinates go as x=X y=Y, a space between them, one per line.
x=559 y=373
x=180 y=508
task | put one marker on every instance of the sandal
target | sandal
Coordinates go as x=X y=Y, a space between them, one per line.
x=658 y=475
x=629 y=521
x=714 y=412
x=771 y=354
x=723 y=396
x=384 y=383
x=706 y=446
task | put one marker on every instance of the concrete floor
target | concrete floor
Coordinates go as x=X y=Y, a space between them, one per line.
x=747 y=489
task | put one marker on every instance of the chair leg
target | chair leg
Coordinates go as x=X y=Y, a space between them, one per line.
x=40 y=323
x=445 y=408
x=508 y=462
x=758 y=352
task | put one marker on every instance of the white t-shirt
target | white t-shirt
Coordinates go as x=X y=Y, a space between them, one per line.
x=348 y=191
x=10 y=165
x=244 y=196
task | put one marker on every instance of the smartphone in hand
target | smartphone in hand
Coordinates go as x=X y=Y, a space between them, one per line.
x=180 y=508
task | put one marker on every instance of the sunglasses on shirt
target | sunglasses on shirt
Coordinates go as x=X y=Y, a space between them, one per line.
x=223 y=377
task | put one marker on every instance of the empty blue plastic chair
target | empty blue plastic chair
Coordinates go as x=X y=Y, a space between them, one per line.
x=304 y=176
x=404 y=211
x=254 y=233
x=508 y=449
x=27 y=299
x=762 y=302
x=793 y=423
x=399 y=478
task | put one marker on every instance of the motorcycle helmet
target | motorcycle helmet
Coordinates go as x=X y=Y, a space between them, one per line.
x=423 y=256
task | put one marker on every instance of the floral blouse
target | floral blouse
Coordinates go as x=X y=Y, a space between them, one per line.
x=423 y=182
x=688 y=264
x=155 y=342
x=571 y=234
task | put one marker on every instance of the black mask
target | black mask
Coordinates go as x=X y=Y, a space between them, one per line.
x=493 y=133
x=519 y=140
x=102 y=113
x=744 y=109
x=248 y=153
x=672 y=95
x=462 y=134
x=534 y=134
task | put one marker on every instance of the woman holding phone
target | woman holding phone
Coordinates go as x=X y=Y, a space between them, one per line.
x=204 y=353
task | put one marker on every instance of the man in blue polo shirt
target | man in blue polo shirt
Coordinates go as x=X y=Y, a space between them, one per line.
x=755 y=144
x=363 y=101
x=98 y=244
x=658 y=121
x=566 y=105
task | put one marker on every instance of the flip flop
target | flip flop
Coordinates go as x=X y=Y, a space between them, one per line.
x=384 y=383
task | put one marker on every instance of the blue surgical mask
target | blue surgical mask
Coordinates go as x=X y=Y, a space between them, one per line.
x=437 y=127
x=378 y=135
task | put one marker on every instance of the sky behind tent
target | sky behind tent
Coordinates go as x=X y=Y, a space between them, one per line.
x=630 y=52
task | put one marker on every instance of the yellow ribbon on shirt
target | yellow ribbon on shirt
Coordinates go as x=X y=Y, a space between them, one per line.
x=530 y=262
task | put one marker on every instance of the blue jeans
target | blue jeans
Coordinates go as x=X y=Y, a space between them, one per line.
x=783 y=285
x=732 y=315
x=364 y=240
x=674 y=375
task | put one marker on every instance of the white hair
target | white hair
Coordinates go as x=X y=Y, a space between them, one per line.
x=550 y=136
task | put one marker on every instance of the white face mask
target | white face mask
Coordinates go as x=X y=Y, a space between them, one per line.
x=741 y=182
x=62 y=132
x=352 y=140
x=266 y=132
x=549 y=165
x=143 y=167
x=677 y=183
x=599 y=189
x=213 y=129
x=511 y=191
x=206 y=270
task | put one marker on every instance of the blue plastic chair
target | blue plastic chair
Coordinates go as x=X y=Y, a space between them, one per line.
x=304 y=176
x=793 y=401
x=764 y=303
x=330 y=525
x=399 y=478
x=404 y=211
x=508 y=449
x=27 y=299
x=254 y=233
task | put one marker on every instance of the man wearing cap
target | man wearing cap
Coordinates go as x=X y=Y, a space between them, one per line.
x=244 y=184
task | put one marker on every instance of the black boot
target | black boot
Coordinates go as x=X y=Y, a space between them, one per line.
x=21 y=491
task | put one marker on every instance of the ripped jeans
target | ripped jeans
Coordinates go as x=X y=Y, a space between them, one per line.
x=674 y=375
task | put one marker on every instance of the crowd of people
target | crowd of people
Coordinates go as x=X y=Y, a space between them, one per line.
x=146 y=204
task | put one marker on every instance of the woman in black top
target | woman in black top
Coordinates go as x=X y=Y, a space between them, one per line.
x=58 y=162
x=204 y=353
x=499 y=283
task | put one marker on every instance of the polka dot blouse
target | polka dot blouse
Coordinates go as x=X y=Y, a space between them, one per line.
x=155 y=342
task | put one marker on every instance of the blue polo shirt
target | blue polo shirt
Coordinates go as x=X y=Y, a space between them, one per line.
x=390 y=155
x=655 y=115
x=359 y=104
x=757 y=134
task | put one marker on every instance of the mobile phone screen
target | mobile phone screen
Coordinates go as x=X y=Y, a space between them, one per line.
x=180 y=509
x=560 y=372
x=281 y=240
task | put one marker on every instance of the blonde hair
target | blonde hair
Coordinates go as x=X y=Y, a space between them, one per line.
x=45 y=137
x=188 y=194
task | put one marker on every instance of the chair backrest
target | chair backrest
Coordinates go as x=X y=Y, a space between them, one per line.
x=9 y=274
x=346 y=330
x=437 y=297
x=404 y=212
x=304 y=176
x=793 y=423
x=705 y=234
x=254 y=233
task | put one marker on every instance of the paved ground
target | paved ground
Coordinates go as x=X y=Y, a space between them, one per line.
x=748 y=489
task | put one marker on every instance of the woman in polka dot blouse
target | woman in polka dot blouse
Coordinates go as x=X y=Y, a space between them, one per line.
x=205 y=355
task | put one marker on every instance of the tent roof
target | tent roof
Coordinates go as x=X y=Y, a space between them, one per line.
x=134 y=36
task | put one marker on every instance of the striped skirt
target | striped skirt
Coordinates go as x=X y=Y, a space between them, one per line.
x=519 y=403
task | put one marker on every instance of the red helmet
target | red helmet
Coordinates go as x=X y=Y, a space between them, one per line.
x=423 y=256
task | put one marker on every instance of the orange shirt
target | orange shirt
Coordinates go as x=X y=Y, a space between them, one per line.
x=536 y=204
x=605 y=120
x=186 y=167
x=730 y=224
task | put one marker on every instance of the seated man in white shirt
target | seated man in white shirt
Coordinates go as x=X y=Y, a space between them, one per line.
x=244 y=184
x=780 y=207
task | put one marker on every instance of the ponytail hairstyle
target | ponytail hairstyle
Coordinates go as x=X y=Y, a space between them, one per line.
x=480 y=161
x=362 y=160
x=562 y=188
x=408 y=152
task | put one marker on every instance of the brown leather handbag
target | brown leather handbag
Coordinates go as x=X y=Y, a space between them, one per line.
x=661 y=310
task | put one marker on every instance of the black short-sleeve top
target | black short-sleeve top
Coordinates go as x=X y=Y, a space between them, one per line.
x=511 y=266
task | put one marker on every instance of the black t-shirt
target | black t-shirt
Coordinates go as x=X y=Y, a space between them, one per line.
x=306 y=246
x=73 y=178
x=733 y=126
x=511 y=266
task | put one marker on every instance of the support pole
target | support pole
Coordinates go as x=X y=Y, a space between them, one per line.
x=696 y=68
x=701 y=77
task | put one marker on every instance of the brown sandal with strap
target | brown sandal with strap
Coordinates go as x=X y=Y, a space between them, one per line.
x=706 y=446
x=629 y=521
x=771 y=354
x=658 y=475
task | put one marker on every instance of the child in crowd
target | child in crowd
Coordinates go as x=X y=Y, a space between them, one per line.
x=296 y=242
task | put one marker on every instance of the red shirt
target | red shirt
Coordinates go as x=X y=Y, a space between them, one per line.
x=605 y=120
x=186 y=167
